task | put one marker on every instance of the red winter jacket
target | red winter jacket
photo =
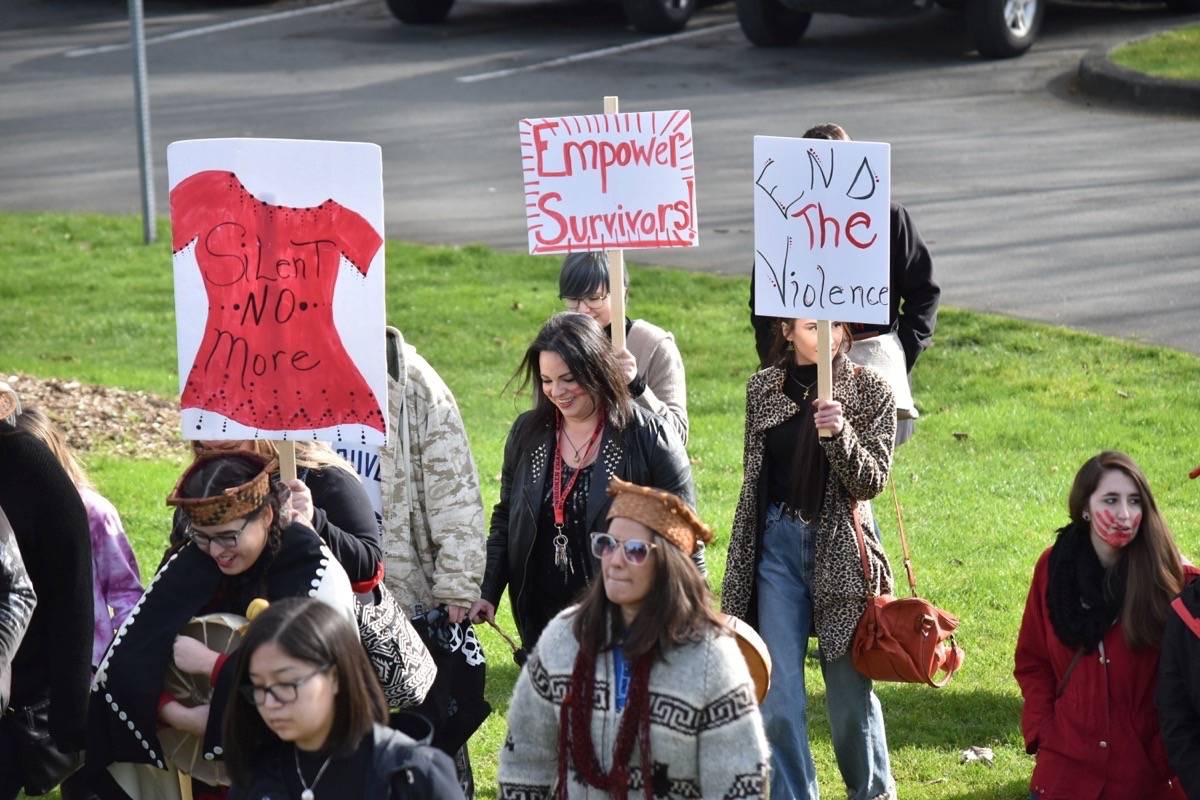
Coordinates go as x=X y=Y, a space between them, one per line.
x=1100 y=739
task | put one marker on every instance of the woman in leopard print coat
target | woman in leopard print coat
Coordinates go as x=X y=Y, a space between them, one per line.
x=793 y=567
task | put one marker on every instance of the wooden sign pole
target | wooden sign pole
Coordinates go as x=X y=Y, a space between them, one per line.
x=616 y=268
x=824 y=367
x=287 y=460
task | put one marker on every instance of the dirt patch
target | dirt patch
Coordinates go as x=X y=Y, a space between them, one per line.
x=106 y=419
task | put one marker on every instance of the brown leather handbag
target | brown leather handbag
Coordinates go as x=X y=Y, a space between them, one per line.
x=907 y=639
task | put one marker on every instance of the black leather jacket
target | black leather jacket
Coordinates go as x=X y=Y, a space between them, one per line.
x=647 y=452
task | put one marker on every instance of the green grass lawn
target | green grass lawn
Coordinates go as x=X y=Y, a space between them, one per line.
x=1174 y=54
x=1011 y=409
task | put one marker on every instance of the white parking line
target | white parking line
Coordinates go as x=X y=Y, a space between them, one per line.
x=220 y=26
x=591 y=54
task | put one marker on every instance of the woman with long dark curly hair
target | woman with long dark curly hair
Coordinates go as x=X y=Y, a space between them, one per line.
x=1087 y=655
x=640 y=690
x=582 y=431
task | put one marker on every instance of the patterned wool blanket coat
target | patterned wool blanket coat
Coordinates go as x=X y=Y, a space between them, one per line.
x=860 y=458
x=706 y=734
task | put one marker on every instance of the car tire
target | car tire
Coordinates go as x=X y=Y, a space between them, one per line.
x=420 y=12
x=1184 y=6
x=769 y=23
x=1003 y=28
x=658 y=16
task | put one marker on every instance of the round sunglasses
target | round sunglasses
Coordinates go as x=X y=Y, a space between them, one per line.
x=636 y=550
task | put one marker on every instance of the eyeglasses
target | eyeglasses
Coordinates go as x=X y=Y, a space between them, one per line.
x=594 y=303
x=226 y=541
x=636 y=551
x=283 y=693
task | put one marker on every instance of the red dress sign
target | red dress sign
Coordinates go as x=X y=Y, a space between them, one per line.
x=271 y=357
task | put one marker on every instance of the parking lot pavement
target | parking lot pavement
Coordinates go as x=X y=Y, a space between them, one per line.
x=1035 y=203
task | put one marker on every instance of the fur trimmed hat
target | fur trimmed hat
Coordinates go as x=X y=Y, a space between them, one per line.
x=662 y=512
x=229 y=504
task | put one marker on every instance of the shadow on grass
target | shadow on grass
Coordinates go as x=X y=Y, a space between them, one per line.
x=1013 y=790
x=922 y=717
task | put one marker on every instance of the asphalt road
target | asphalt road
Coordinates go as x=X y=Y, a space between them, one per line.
x=1036 y=202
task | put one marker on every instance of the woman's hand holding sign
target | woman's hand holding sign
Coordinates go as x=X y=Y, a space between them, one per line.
x=827 y=414
x=628 y=364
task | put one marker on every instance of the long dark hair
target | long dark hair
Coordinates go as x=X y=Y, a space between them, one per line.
x=311 y=631
x=1152 y=564
x=679 y=608
x=580 y=342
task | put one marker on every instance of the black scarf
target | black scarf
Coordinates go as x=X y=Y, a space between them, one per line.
x=1084 y=598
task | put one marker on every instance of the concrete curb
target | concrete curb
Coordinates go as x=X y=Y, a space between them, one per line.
x=1101 y=78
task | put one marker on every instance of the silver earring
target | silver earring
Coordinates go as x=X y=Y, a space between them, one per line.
x=1087 y=517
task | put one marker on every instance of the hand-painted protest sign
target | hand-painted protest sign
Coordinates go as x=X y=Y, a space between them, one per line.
x=609 y=181
x=278 y=260
x=821 y=229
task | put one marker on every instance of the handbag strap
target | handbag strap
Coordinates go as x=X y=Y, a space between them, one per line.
x=908 y=565
x=1062 y=683
x=862 y=547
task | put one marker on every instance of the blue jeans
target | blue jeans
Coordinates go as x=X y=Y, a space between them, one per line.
x=785 y=618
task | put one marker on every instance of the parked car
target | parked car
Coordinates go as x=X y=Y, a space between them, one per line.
x=647 y=16
x=997 y=28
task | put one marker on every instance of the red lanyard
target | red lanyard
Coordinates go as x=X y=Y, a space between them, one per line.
x=559 y=493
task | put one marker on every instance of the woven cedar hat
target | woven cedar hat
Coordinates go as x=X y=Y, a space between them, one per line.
x=662 y=512
x=230 y=504
x=10 y=404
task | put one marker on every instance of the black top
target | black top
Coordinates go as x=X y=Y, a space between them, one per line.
x=345 y=521
x=387 y=766
x=344 y=777
x=557 y=588
x=913 y=292
x=798 y=466
x=51 y=528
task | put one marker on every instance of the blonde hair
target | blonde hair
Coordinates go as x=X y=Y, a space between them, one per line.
x=33 y=420
x=309 y=455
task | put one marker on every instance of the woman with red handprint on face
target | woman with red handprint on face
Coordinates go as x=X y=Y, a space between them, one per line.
x=1088 y=651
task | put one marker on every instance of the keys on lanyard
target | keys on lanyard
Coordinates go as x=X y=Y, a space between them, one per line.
x=559 y=494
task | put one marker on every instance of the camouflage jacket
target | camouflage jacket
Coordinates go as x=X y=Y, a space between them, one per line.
x=434 y=547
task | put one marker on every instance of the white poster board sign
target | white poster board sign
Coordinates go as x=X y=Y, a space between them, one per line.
x=365 y=460
x=821 y=229
x=279 y=292
x=609 y=181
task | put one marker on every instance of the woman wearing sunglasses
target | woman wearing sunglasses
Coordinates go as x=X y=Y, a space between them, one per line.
x=650 y=362
x=794 y=568
x=238 y=548
x=640 y=690
x=307 y=719
x=582 y=431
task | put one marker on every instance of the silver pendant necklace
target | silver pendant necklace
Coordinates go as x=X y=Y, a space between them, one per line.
x=307 y=790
